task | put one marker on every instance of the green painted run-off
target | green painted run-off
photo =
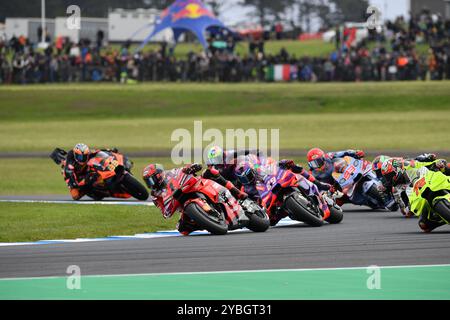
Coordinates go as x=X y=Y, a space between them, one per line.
x=425 y=282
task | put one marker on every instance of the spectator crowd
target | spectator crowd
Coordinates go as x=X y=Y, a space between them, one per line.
x=406 y=50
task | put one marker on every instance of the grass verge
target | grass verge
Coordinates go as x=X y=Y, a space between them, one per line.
x=33 y=222
x=43 y=176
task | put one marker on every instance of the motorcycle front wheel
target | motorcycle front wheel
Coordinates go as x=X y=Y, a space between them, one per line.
x=214 y=225
x=259 y=221
x=336 y=215
x=300 y=210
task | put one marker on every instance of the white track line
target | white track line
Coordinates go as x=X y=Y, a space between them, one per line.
x=120 y=203
x=154 y=235
x=234 y=271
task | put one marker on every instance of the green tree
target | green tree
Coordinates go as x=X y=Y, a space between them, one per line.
x=216 y=6
x=89 y=8
x=265 y=9
x=351 y=10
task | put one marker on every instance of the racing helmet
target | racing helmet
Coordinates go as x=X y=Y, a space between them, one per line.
x=81 y=153
x=316 y=158
x=154 y=176
x=246 y=173
x=216 y=156
x=377 y=163
x=393 y=173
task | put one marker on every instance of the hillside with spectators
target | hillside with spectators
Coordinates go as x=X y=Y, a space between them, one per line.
x=413 y=49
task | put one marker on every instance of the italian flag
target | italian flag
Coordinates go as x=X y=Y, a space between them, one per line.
x=281 y=72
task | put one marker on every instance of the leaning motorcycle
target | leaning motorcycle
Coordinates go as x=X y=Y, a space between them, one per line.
x=325 y=201
x=109 y=175
x=430 y=195
x=358 y=181
x=280 y=195
x=213 y=208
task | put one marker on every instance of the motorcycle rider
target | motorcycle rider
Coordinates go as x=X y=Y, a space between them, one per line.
x=298 y=169
x=321 y=164
x=75 y=170
x=379 y=160
x=221 y=169
x=402 y=174
x=400 y=195
x=156 y=179
x=249 y=175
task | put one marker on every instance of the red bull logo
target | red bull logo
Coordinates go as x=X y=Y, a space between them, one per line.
x=192 y=11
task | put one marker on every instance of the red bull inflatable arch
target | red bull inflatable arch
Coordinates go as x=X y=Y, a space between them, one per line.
x=186 y=15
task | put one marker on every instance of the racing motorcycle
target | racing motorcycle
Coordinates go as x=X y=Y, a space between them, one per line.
x=430 y=195
x=285 y=193
x=360 y=184
x=213 y=208
x=109 y=175
x=325 y=201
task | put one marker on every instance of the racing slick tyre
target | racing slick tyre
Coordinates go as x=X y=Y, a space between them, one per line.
x=442 y=207
x=377 y=196
x=215 y=225
x=134 y=187
x=259 y=221
x=301 y=210
x=336 y=216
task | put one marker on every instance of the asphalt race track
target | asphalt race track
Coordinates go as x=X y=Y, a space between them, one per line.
x=364 y=238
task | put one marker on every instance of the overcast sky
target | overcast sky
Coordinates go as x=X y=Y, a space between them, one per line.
x=389 y=8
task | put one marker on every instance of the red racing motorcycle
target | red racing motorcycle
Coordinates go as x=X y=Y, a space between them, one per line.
x=213 y=208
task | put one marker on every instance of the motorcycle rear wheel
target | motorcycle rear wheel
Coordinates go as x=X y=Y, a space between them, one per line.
x=134 y=188
x=203 y=220
x=301 y=212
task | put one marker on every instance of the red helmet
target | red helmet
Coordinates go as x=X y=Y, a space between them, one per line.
x=394 y=172
x=316 y=158
x=154 y=176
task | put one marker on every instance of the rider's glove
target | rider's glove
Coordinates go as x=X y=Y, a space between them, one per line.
x=322 y=186
x=360 y=154
x=332 y=189
x=286 y=164
x=73 y=184
x=397 y=163
x=427 y=157
x=192 y=169
x=238 y=194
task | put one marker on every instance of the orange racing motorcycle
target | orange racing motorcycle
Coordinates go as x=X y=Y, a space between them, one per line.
x=109 y=176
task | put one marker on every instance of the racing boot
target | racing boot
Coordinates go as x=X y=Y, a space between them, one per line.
x=428 y=225
x=277 y=215
x=76 y=194
x=186 y=226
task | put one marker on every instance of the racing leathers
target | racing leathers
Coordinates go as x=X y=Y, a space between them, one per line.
x=325 y=174
x=298 y=169
x=168 y=205
x=400 y=196
x=224 y=174
x=77 y=175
